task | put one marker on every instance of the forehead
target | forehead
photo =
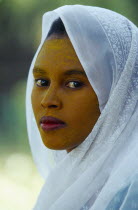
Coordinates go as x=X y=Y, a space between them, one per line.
x=58 y=56
x=57 y=51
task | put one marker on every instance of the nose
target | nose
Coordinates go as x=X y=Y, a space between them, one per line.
x=51 y=99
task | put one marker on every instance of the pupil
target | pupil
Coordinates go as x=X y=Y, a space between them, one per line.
x=76 y=84
x=43 y=82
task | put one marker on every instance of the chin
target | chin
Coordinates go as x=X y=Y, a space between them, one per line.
x=54 y=147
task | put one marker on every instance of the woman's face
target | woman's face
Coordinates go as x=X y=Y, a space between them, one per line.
x=62 y=90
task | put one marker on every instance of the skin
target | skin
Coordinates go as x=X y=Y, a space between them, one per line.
x=69 y=98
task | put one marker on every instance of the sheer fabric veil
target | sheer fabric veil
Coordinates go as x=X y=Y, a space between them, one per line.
x=89 y=176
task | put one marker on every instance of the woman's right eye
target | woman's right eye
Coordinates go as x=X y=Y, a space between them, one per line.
x=41 y=82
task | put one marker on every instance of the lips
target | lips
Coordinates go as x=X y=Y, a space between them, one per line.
x=51 y=123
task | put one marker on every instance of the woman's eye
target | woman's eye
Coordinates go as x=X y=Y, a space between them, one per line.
x=71 y=84
x=41 y=82
x=74 y=84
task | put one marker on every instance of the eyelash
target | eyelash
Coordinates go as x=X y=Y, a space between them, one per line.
x=42 y=80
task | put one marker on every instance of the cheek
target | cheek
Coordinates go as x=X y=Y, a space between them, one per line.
x=84 y=112
x=35 y=99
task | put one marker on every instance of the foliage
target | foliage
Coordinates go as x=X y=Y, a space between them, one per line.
x=23 y=22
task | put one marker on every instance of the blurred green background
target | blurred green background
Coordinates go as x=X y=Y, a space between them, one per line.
x=20 y=33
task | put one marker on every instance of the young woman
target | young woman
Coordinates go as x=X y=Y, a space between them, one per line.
x=82 y=110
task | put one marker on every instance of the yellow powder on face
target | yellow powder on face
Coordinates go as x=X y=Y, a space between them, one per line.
x=77 y=107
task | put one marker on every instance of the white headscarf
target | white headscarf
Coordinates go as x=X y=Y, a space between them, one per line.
x=88 y=177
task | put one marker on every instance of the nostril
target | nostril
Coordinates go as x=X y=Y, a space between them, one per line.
x=52 y=106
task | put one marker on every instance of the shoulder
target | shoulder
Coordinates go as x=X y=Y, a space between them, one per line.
x=127 y=197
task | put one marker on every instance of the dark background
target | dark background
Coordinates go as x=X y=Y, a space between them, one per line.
x=20 y=33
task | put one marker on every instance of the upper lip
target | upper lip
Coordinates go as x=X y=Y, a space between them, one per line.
x=50 y=119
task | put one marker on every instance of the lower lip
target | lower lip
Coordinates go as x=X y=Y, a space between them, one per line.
x=47 y=127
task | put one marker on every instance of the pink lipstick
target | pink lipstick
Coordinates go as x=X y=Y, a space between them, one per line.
x=51 y=123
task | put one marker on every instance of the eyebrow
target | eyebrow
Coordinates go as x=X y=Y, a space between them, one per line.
x=38 y=70
x=68 y=72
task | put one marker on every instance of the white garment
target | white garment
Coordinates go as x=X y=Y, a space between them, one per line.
x=88 y=177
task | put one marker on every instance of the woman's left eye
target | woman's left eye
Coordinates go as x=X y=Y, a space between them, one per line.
x=75 y=84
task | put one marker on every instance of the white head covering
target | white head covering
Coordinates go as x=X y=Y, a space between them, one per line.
x=88 y=177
